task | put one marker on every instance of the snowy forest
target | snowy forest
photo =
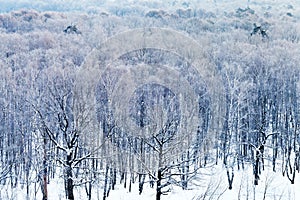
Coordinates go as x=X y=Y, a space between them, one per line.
x=150 y=100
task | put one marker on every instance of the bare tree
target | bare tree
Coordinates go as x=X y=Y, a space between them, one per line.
x=65 y=116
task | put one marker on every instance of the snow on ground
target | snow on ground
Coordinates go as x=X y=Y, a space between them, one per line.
x=210 y=183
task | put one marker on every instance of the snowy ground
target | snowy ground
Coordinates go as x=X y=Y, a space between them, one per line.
x=211 y=183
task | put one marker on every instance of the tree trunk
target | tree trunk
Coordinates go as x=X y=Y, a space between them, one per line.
x=158 y=185
x=141 y=183
x=159 y=173
x=69 y=183
x=88 y=190
x=45 y=173
x=230 y=178
x=256 y=169
x=105 y=183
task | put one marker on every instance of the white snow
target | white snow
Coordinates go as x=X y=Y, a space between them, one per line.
x=210 y=183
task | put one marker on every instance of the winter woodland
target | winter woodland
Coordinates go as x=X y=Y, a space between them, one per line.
x=150 y=100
